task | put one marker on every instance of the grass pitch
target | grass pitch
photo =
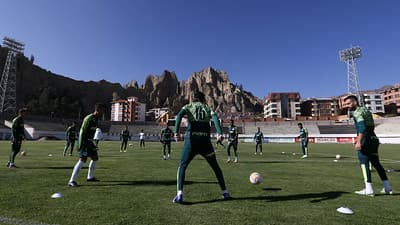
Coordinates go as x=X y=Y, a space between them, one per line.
x=137 y=187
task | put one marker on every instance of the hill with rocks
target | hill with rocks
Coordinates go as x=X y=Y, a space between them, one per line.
x=45 y=92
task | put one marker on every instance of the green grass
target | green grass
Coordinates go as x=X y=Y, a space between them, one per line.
x=137 y=187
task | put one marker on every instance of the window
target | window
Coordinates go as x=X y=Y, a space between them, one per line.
x=274 y=111
x=377 y=97
x=378 y=102
x=379 y=108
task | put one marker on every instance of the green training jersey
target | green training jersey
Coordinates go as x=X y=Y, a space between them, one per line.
x=259 y=136
x=166 y=134
x=88 y=129
x=125 y=135
x=17 y=129
x=303 y=133
x=199 y=116
x=71 y=133
x=364 y=122
x=233 y=133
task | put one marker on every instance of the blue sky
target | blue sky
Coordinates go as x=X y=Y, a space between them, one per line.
x=265 y=45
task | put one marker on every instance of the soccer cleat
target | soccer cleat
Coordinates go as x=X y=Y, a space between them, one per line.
x=178 y=199
x=164 y=157
x=386 y=192
x=365 y=193
x=260 y=153
x=92 y=180
x=73 y=184
x=120 y=150
x=70 y=154
x=236 y=160
x=8 y=164
x=255 y=153
x=226 y=196
x=168 y=156
x=64 y=154
x=12 y=165
x=304 y=156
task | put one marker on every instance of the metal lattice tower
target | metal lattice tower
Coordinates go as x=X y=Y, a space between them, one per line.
x=349 y=56
x=8 y=82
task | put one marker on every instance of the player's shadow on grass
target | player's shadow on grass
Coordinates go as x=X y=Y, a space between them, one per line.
x=148 y=183
x=314 y=198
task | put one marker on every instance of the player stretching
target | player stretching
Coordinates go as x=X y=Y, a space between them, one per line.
x=124 y=136
x=366 y=145
x=197 y=141
x=259 y=137
x=165 y=139
x=86 y=145
x=17 y=135
x=232 y=142
x=141 y=137
x=70 y=136
x=303 y=140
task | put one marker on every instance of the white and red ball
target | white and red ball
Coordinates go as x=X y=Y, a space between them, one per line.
x=255 y=178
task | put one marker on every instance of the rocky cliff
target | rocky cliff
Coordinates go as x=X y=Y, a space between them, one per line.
x=47 y=93
x=222 y=96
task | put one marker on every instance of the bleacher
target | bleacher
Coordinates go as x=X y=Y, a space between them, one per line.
x=336 y=129
x=279 y=128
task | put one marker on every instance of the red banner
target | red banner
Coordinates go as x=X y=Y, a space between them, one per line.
x=345 y=140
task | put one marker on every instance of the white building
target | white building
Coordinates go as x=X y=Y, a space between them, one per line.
x=282 y=105
x=129 y=110
x=374 y=102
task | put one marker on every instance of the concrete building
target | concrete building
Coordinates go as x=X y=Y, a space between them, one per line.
x=392 y=99
x=374 y=102
x=128 y=110
x=282 y=105
x=320 y=107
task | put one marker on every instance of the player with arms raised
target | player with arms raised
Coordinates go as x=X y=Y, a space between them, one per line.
x=198 y=141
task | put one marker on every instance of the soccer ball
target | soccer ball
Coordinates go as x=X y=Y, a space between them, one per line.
x=338 y=156
x=255 y=178
x=23 y=153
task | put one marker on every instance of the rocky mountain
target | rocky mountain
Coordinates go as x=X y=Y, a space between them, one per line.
x=222 y=96
x=45 y=93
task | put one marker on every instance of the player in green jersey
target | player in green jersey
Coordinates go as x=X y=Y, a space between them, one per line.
x=17 y=135
x=366 y=145
x=232 y=141
x=303 y=140
x=70 y=136
x=258 y=138
x=198 y=141
x=124 y=136
x=86 y=145
x=165 y=139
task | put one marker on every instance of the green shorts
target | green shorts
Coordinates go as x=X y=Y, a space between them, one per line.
x=88 y=149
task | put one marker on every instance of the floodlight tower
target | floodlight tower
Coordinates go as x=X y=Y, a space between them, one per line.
x=8 y=82
x=349 y=56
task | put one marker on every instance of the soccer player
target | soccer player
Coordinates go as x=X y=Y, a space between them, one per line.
x=303 y=140
x=165 y=139
x=232 y=141
x=87 y=148
x=141 y=138
x=197 y=141
x=70 y=136
x=259 y=137
x=124 y=136
x=17 y=135
x=366 y=145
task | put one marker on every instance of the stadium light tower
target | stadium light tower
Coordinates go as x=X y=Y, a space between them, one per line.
x=8 y=82
x=349 y=56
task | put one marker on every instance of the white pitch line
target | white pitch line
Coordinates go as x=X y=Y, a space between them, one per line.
x=15 y=221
